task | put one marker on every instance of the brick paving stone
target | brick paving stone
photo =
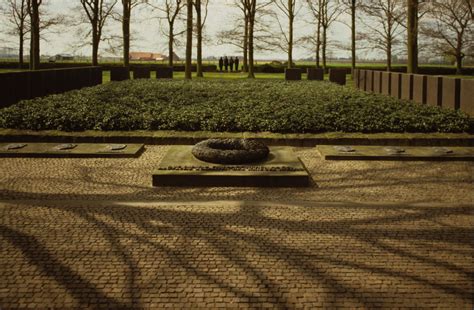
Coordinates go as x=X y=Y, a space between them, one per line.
x=90 y=233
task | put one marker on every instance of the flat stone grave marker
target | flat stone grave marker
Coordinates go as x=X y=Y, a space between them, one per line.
x=281 y=169
x=409 y=153
x=70 y=150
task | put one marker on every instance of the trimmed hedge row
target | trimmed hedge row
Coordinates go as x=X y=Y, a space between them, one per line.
x=31 y=84
x=229 y=105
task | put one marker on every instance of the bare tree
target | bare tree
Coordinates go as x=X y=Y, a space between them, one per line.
x=34 y=13
x=97 y=12
x=238 y=35
x=351 y=7
x=172 y=10
x=381 y=21
x=16 y=13
x=450 y=24
x=189 y=39
x=200 y=22
x=325 y=12
x=288 y=8
x=127 y=6
x=412 y=36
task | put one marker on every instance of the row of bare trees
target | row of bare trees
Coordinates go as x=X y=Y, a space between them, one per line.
x=28 y=19
x=391 y=26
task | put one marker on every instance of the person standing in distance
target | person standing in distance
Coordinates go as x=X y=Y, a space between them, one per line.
x=231 y=63
x=236 y=64
x=226 y=63
x=221 y=63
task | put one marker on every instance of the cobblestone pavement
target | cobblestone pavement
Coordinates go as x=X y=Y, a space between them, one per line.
x=130 y=179
x=92 y=233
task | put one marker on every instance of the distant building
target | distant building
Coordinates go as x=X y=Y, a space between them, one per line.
x=147 y=56
x=61 y=57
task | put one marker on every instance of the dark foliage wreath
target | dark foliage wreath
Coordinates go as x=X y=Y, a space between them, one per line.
x=230 y=151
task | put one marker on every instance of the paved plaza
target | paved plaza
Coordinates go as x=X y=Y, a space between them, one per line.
x=93 y=233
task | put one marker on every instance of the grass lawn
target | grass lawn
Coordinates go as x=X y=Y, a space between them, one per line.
x=228 y=105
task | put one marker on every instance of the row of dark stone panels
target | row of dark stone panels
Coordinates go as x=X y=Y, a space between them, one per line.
x=123 y=73
x=16 y=86
x=442 y=91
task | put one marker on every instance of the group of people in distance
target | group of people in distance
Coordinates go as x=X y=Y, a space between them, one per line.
x=225 y=62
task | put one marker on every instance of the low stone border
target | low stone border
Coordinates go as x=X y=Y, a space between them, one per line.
x=189 y=138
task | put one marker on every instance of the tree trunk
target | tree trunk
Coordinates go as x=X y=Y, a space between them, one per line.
x=189 y=40
x=20 y=49
x=412 y=36
x=252 y=8
x=35 y=35
x=459 y=58
x=353 y=33
x=199 y=39
x=324 y=47
x=318 y=41
x=246 y=44
x=95 y=46
x=126 y=32
x=170 y=44
x=389 y=57
x=290 y=36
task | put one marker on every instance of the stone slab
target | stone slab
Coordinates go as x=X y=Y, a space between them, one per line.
x=315 y=74
x=363 y=152
x=434 y=90
x=386 y=83
x=451 y=93
x=377 y=82
x=406 y=91
x=164 y=73
x=119 y=73
x=292 y=74
x=355 y=77
x=180 y=168
x=82 y=150
x=337 y=76
x=141 y=73
x=361 y=79
x=467 y=96
x=419 y=88
x=395 y=82
x=369 y=81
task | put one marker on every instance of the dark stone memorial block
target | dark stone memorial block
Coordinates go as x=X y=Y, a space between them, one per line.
x=386 y=83
x=355 y=77
x=467 y=96
x=407 y=86
x=141 y=73
x=434 y=90
x=97 y=76
x=419 y=88
x=337 y=76
x=377 y=82
x=315 y=74
x=369 y=80
x=7 y=96
x=36 y=84
x=164 y=72
x=293 y=74
x=119 y=73
x=361 y=79
x=451 y=93
x=60 y=81
x=395 y=88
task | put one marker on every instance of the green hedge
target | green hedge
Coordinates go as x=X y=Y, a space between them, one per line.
x=228 y=105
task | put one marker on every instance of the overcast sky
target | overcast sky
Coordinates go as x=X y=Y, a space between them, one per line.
x=147 y=36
